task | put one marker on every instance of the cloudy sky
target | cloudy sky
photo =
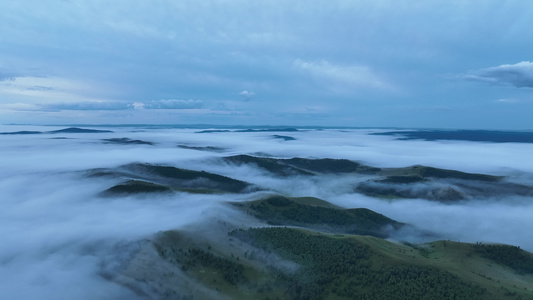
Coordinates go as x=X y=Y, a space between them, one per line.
x=433 y=64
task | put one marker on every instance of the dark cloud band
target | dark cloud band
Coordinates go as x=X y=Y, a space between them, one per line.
x=519 y=75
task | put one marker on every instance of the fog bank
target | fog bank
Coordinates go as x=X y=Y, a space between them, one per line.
x=62 y=240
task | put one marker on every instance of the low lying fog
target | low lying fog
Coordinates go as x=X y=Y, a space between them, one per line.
x=60 y=239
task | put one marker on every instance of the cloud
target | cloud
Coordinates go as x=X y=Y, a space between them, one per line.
x=246 y=95
x=66 y=106
x=294 y=53
x=508 y=100
x=171 y=104
x=21 y=107
x=55 y=93
x=21 y=84
x=309 y=109
x=519 y=75
x=342 y=77
x=88 y=105
x=4 y=76
x=138 y=29
x=104 y=105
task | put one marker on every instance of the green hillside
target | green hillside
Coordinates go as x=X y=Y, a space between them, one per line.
x=271 y=165
x=304 y=261
x=430 y=172
x=320 y=215
x=411 y=187
x=438 y=184
x=302 y=166
x=148 y=178
x=136 y=187
x=308 y=248
x=289 y=263
x=329 y=165
x=126 y=141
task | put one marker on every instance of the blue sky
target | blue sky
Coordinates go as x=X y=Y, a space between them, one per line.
x=432 y=64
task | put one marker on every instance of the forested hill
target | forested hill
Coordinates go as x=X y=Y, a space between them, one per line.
x=291 y=263
x=316 y=255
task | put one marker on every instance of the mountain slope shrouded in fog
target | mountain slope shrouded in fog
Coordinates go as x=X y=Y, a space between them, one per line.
x=159 y=213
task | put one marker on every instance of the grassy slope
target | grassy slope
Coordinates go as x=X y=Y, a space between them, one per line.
x=339 y=267
x=461 y=260
x=302 y=166
x=430 y=172
x=438 y=184
x=139 y=187
x=408 y=182
x=271 y=165
x=306 y=166
x=319 y=214
x=150 y=178
x=289 y=263
x=297 y=263
x=136 y=187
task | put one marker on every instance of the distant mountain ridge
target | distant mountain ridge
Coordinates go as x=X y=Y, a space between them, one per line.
x=65 y=130
x=495 y=136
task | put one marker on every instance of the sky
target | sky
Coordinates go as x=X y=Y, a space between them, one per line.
x=379 y=63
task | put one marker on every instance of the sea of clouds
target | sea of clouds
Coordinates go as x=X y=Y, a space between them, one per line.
x=62 y=240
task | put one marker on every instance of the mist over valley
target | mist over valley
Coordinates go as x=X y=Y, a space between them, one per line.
x=163 y=213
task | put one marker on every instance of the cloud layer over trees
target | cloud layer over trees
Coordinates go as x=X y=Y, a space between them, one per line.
x=62 y=240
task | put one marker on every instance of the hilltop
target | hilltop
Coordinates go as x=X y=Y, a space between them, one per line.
x=319 y=215
x=309 y=248
x=291 y=263
x=149 y=178
x=417 y=181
